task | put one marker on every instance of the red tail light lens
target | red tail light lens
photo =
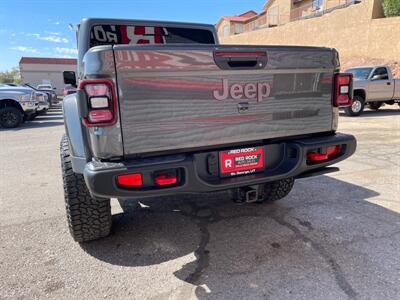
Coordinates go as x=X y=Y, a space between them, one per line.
x=162 y=179
x=343 y=90
x=319 y=155
x=100 y=115
x=97 y=89
x=313 y=157
x=101 y=97
x=333 y=150
x=130 y=180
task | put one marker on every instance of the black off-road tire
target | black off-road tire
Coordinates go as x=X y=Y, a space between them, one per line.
x=276 y=190
x=88 y=218
x=374 y=105
x=10 y=117
x=351 y=110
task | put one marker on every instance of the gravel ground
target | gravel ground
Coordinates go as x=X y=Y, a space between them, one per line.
x=333 y=237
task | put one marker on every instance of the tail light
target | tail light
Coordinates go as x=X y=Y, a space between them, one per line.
x=319 y=155
x=166 y=178
x=130 y=180
x=138 y=179
x=343 y=90
x=101 y=102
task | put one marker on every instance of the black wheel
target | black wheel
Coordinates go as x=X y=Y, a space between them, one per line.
x=276 y=190
x=88 y=218
x=374 y=105
x=356 y=108
x=10 y=117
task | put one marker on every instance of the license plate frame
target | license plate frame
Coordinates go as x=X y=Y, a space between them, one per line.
x=241 y=161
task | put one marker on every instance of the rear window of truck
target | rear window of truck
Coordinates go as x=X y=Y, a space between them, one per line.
x=132 y=34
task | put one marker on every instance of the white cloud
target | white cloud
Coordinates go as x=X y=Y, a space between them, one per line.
x=54 y=39
x=53 y=33
x=49 y=38
x=66 y=51
x=25 y=49
x=57 y=23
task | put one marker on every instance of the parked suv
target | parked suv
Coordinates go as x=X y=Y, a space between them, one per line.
x=162 y=109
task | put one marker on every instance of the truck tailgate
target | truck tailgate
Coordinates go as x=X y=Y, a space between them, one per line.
x=193 y=96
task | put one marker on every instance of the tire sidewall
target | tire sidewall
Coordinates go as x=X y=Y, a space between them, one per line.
x=349 y=110
x=17 y=116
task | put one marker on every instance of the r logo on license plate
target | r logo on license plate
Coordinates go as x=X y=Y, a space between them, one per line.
x=241 y=161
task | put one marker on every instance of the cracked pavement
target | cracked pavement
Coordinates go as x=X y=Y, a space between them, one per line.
x=333 y=237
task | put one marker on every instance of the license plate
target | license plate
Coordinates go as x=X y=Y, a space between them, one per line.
x=241 y=161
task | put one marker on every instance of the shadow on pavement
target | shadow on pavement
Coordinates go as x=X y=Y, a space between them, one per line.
x=375 y=113
x=237 y=247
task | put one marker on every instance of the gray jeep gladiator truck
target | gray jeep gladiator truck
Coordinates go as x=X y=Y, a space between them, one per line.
x=162 y=109
x=373 y=86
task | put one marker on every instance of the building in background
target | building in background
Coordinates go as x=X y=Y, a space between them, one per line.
x=230 y=25
x=39 y=70
x=276 y=13
x=360 y=32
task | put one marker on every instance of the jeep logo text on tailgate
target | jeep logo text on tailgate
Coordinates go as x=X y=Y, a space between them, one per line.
x=259 y=91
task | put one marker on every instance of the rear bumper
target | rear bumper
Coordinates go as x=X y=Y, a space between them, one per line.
x=283 y=160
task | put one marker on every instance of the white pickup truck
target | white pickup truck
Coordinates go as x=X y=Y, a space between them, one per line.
x=374 y=86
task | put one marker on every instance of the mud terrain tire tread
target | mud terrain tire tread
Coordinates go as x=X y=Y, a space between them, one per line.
x=276 y=190
x=88 y=218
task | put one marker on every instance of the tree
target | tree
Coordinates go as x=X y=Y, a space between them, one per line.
x=10 y=76
x=391 y=8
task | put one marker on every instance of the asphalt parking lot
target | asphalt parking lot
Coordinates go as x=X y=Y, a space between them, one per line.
x=333 y=237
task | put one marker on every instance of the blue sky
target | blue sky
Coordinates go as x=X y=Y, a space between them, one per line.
x=40 y=27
